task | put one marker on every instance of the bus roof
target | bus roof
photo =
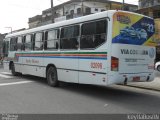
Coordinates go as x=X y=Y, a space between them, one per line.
x=100 y=15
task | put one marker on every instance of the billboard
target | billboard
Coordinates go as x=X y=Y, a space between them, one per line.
x=129 y=28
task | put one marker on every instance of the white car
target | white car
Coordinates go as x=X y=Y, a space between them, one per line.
x=157 y=66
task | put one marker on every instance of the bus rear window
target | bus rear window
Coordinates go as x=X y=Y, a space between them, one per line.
x=13 y=44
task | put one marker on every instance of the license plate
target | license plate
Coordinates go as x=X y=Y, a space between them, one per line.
x=136 y=78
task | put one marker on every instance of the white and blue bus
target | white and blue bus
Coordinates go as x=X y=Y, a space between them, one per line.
x=106 y=48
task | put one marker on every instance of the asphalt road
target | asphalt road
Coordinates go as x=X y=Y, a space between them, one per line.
x=28 y=94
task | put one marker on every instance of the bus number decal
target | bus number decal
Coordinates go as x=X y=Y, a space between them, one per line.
x=96 y=65
x=150 y=28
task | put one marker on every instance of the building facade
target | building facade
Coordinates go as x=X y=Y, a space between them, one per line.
x=77 y=8
x=151 y=8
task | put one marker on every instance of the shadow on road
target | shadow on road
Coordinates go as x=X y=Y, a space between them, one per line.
x=125 y=97
x=157 y=73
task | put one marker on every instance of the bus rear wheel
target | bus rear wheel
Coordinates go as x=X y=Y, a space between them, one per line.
x=13 y=69
x=52 y=78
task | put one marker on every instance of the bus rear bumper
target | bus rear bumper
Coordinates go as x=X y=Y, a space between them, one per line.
x=125 y=78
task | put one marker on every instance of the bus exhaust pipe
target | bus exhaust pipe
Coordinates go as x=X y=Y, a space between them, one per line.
x=125 y=81
x=148 y=78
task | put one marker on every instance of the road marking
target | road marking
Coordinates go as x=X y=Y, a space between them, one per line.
x=15 y=83
x=5 y=76
x=105 y=105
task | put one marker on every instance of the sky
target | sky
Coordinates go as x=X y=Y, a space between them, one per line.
x=15 y=13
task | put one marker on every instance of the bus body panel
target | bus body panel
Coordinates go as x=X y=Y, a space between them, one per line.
x=32 y=63
x=132 y=48
x=127 y=54
x=66 y=63
x=131 y=65
x=93 y=68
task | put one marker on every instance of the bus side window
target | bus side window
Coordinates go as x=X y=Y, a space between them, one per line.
x=45 y=40
x=28 y=41
x=38 y=45
x=51 y=39
x=13 y=44
x=32 y=41
x=19 y=44
x=87 y=41
x=100 y=35
x=23 y=41
x=93 y=34
x=70 y=37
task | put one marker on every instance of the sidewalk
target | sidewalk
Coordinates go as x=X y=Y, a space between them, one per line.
x=154 y=85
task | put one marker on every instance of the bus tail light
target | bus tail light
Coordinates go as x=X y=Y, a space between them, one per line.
x=114 y=64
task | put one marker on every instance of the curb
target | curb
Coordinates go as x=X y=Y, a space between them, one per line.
x=142 y=87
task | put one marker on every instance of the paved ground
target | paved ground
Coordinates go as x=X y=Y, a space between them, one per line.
x=154 y=85
x=28 y=94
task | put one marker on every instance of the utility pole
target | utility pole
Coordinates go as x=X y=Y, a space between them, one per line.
x=52 y=11
x=82 y=8
x=123 y=5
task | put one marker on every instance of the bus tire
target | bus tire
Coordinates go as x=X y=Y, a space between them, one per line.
x=14 y=73
x=158 y=68
x=52 y=77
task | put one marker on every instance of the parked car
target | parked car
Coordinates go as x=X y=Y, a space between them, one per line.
x=157 y=66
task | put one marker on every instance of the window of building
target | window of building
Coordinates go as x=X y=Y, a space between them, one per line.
x=93 y=34
x=72 y=12
x=88 y=11
x=38 y=41
x=126 y=8
x=152 y=2
x=102 y=10
x=78 y=11
x=69 y=37
x=13 y=44
x=51 y=40
x=156 y=14
x=96 y=9
x=145 y=13
x=66 y=13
